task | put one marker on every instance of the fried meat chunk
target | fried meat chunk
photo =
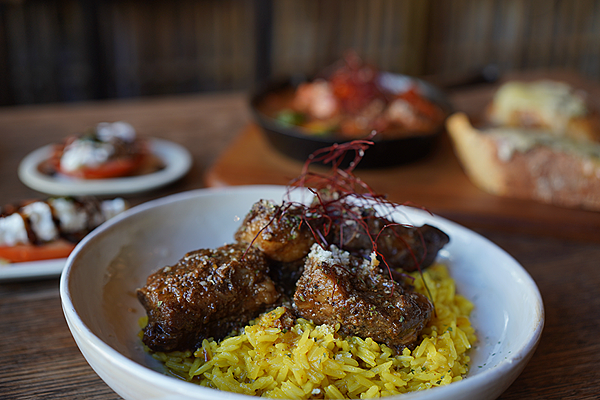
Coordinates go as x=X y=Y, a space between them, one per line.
x=277 y=230
x=337 y=287
x=403 y=247
x=208 y=293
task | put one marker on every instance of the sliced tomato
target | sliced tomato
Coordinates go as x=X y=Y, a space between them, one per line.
x=30 y=252
x=111 y=169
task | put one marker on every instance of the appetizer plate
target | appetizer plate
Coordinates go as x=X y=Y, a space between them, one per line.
x=177 y=161
x=24 y=271
x=102 y=274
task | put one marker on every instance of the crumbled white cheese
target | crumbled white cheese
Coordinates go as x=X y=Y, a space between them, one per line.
x=13 y=231
x=373 y=259
x=511 y=140
x=334 y=256
x=106 y=131
x=556 y=102
x=111 y=208
x=71 y=218
x=40 y=218
x=85 y=153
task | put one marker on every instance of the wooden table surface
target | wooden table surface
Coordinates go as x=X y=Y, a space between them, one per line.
x=39 y=358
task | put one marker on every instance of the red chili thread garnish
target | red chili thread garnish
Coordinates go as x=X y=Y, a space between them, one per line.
x=339 y=196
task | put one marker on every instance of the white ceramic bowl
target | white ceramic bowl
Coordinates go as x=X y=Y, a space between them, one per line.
x=99 y=282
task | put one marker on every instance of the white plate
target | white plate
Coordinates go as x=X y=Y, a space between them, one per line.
x=98 y=292
x=176 y=158
x=32 y=270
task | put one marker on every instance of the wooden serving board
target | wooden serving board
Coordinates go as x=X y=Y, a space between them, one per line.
x=436 y=183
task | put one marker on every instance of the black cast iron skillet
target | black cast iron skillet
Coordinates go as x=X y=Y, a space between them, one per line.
x=292 y=142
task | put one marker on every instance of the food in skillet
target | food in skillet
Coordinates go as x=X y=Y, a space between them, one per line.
x=48 y=229
x=355 y=99
x=109 y=150
x=540 y=141
x=352 y=325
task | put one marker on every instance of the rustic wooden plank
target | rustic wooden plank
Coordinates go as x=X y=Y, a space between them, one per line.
x=38 y=357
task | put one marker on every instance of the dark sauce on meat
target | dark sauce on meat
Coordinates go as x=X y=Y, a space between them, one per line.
x=322 y=268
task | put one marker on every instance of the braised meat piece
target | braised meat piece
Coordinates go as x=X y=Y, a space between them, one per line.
x=277 y=230
x=403 y=247
x=283 y=234
x=208 y=293
x=337 y=287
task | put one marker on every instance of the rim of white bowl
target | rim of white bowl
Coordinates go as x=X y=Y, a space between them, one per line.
x=142 y=372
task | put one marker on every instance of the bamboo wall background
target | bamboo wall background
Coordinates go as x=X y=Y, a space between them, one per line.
x=75 y=50
x=308 y=35
x=515 y=34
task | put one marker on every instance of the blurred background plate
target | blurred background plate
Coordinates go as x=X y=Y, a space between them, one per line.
x=294 y=142
x=176 y=158
x=32 y=270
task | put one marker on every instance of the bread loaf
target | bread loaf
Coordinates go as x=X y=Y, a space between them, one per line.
x=528 y=163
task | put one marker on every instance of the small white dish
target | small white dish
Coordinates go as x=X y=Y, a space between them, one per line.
x=98 y=287
x=177 y=161
x=24 y=271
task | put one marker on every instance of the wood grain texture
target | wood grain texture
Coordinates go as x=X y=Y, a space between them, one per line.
x=40 y=360
x=38 y=356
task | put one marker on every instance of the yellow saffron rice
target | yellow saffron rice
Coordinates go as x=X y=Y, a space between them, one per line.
x=311 y=361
